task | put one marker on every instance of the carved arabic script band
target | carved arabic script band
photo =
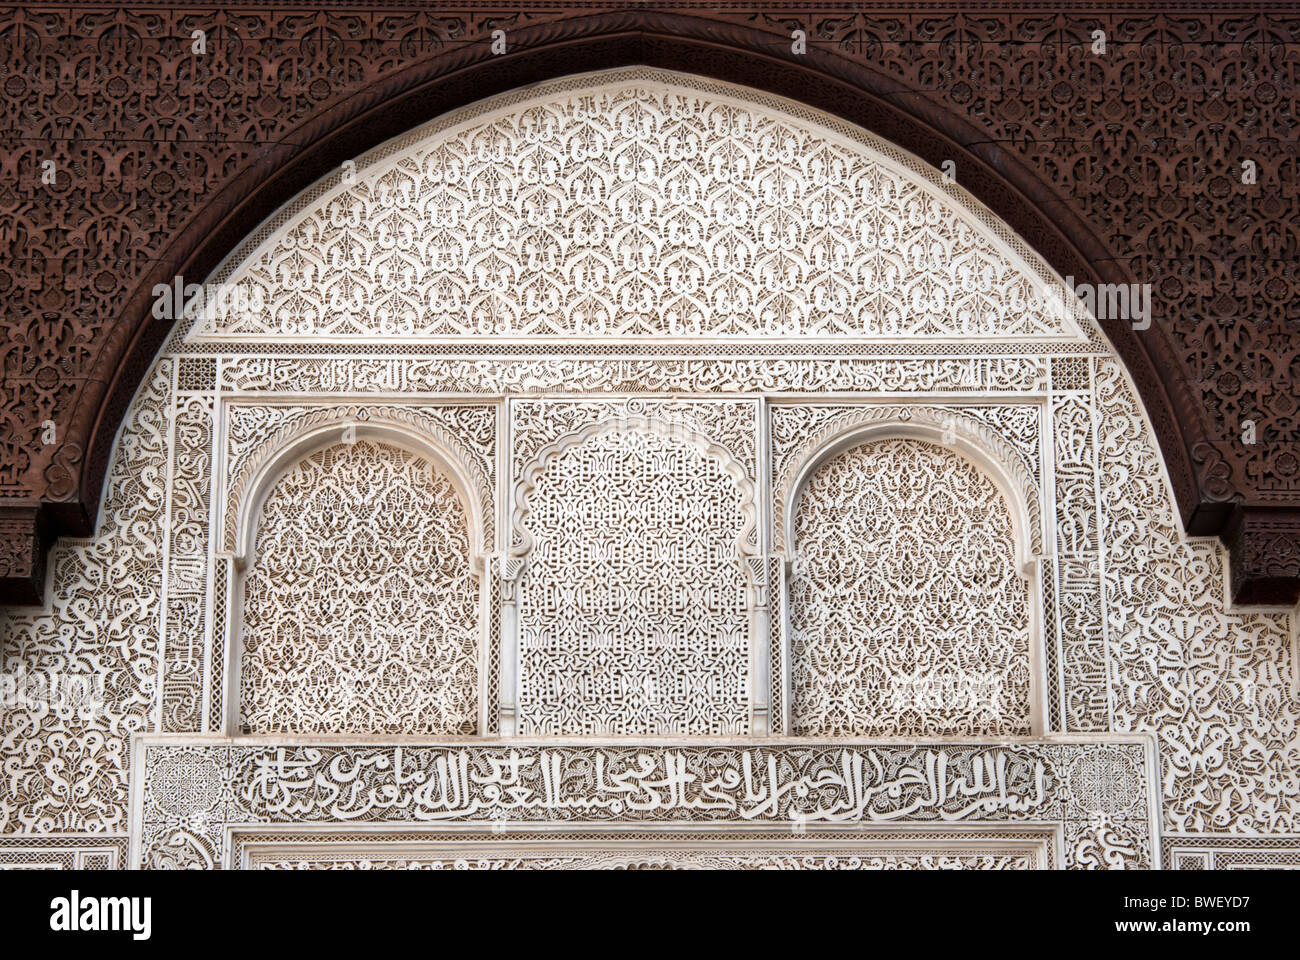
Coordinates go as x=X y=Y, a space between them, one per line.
x=198 y=790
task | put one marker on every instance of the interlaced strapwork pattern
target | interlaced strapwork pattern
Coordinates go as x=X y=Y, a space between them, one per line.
x=633 y=605
x=360 y=610
x=909 y=616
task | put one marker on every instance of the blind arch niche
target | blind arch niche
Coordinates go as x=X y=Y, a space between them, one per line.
x=913 y=597
x=360 y=607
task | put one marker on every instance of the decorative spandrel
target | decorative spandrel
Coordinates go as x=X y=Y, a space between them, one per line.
x=649 y=205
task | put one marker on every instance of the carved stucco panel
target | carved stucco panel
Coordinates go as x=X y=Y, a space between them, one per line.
x=908 y=611
x=639 y=203
x=86 y=669
x=360 y=607
x=1008 y=434
x=1100 y=794
x=632 y=524
x=257 y=433
x=1218 y=688
x=1157 y=652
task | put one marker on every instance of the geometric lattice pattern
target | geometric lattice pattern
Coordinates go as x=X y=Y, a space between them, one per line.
x=633 y=605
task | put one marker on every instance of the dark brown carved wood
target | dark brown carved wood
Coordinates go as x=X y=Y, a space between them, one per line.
x=1117 y=168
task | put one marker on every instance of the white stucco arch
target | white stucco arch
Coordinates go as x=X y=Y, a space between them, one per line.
x=250 y=488
x=944 y=427
x=300 y=445
x=991 y=458
x=1149 y=662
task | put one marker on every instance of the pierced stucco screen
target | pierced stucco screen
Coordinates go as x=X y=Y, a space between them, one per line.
x=360 y=611
x=633 y=610
x=909 y=615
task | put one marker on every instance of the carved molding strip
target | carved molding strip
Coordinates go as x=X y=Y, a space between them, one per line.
x=852 y=848
x=64 y=852
x=524 y=375
x=1281 y=852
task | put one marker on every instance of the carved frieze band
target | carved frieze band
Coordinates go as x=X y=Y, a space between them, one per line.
x=1232 y=853
x=63 y=852
x=559 y=848
x=1100 y=791
x=642 y=374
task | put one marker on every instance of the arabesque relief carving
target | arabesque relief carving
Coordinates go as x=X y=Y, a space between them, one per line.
x=615 y=626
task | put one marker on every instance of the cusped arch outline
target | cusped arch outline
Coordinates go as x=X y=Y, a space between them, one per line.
x=746 y=540
x=259 y=470
x=945 y=426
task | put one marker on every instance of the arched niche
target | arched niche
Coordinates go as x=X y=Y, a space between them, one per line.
x=358 y=604
x=912 y=590
x=638 y=586
x=253 y=473
x=947 y=426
